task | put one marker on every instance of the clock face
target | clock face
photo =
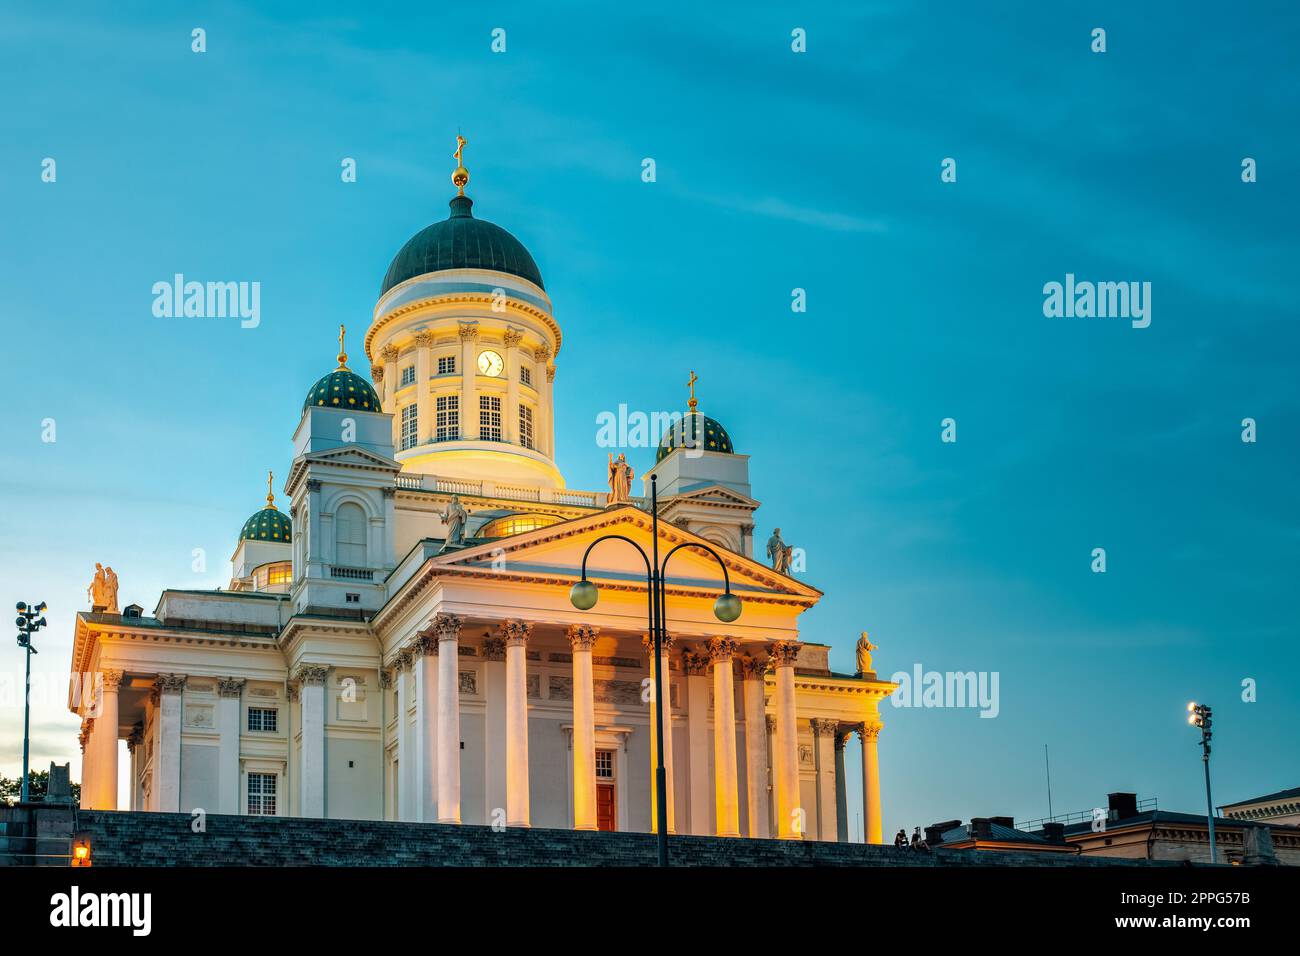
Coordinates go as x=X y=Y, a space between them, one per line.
x=489 y=363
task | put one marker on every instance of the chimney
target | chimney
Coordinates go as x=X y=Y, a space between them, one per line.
x=1008 y=822
x=1054 y=832
x=934 y=833
x=981 y=828
x=1122 y=805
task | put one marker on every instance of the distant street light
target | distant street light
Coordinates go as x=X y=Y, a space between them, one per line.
x=28 y=624
x=1200 y=715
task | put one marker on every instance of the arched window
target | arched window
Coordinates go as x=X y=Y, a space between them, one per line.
x=350 y=535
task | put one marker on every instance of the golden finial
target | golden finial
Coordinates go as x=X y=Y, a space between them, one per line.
x=270 y=495
x=460 y=177
x=343 y=356
x=691 y=384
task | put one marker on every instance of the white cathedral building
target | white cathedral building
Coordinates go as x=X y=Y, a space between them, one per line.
x=370 y=662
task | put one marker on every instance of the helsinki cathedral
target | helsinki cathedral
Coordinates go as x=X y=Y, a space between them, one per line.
x=402 y=638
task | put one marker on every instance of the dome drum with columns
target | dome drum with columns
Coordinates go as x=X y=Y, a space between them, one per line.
x=398 y=643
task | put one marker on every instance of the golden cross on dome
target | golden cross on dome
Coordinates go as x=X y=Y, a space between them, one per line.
x=343 y=356
x=270 y=495
x=461 y=175
x=691 y=385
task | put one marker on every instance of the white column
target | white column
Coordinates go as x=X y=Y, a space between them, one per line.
x=788 y=827
x=131 y=745
x=423 y=397
x=841 y=789
x=753 y=672
x=869 y=731
x=582 y=637
x=87 y=760
x=389 y=354
x=697 y=735
x=543 y=376
x=511 y=429
x=726 y=794
x=105 y=743
x=312 y=779
x=517 y=800
x=407 y=810
x=468 y=390
x=228 y=729
x=426 y=728
x=824 y=733
x=665 y=645
x=167 y=751
x=447 y=630
x=494 y=727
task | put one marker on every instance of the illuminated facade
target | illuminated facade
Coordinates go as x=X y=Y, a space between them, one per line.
x=376 y=658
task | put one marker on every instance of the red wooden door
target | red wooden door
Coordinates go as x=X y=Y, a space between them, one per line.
x=605 y=806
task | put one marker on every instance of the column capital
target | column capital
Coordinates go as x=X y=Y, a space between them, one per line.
x=423 y=643
x=721 y=648
x=87 y=726
x=389 y=353
x=385 y=679
x=494 y=648
x=468 y=331
x=112 y=679
x=136 y=737
x=753 y=668
x=291 y=691
x=230 y=686
x=771 y=723
x=665 y=643
x=403 y=660
x=582 y=637
x=542 y=353
x=869 y=730
x=550 y=372
x=167 y=684
x=424 y=338
x=824 y=727
x=512 y=337
x=516 y=633
x=376 y=373
x=695 y=665
x=312 y=675
x=784 y=653
x=313 y=484
x=446 y=627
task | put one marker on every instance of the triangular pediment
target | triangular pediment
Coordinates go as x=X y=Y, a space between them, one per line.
x=716 y=494
x=556 y=553
x=344 y=456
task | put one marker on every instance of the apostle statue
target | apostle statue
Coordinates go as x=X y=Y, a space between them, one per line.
x=97 y=593
x=779 y=552
x=620 y=480
x=455 y=517
x=110 y=590
x=865 y=647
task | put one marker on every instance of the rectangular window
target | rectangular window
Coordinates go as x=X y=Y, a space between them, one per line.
x=525 y=426
x=526 y=375
x=604 y=765
x=263 y=719
x=447 y=365
x=261 y=794
x=410 y=427
x=350 y=598
x=489 y=417
x=408 y=376
x=447 y=408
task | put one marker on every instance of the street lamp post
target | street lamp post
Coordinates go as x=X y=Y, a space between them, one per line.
x=1200 y=715
x=28 y=624
x=583 y=595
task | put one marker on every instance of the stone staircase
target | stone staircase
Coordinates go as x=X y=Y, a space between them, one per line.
x=167 y=839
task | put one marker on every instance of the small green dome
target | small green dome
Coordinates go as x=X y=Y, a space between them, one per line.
x=269 y=524
x=461 y=242
x=695 y=430
x=343 y=388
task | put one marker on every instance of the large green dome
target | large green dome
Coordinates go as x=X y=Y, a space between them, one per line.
x=695 y=430
x=343 y=388
x=269 y=524
x=461 y=242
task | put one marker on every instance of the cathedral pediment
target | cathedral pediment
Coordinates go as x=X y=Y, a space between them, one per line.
x=345 y=456
x=555 y=554
x=716 y=494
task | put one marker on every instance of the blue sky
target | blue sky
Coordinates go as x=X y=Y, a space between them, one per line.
x=775 y=171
